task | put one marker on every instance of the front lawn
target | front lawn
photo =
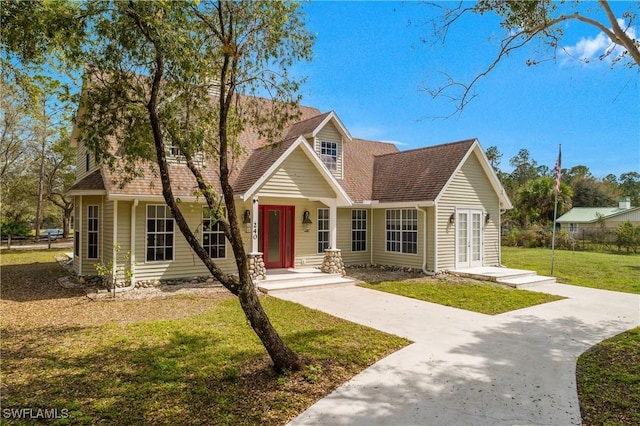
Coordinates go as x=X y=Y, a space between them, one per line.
x=607 y=271
x=608 y=379
x=166 y=360
x=482 y=297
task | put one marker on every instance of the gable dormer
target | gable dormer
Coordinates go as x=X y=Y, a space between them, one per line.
x=327 y=136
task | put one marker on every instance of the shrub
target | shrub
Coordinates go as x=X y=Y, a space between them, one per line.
x=14 y=227
x=628 y=237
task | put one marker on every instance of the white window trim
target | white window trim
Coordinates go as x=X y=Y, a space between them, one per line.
x=401 y=231
x=327 y=231
x=333 y=165
x=146 y=236
x=96 y=231
x=365 y=229
x=226 y=248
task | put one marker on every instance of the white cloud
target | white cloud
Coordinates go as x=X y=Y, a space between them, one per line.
x=589 y=49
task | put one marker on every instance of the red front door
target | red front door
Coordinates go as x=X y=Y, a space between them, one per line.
x=275 y=239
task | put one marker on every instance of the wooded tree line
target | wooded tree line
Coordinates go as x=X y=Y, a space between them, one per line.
x=531 y=188
x=36 y=161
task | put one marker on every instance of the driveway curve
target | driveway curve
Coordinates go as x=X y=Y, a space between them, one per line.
x=466 y=368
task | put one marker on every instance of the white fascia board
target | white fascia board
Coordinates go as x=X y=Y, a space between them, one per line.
x=76 y=192
x=332 y=117
x=249 y=193
x=505 y=203
x=398 y=205
x=301 y=142
x=155 y=198
x=343 y=198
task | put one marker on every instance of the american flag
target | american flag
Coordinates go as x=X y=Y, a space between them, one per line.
x=558 y=168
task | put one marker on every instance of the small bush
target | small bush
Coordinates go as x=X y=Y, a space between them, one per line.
x=538 y=237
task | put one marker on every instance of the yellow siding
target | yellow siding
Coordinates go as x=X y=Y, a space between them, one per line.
x=330 y=133
x=81 y=162
x=186 y=263
x=89 y=265
x=297 y=177
x=470 y=188
x=344 y=238
x=382 y=257
x=106 y=244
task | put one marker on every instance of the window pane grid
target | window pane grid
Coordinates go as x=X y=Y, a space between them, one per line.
x=329 y=154
x=323 y=230
x=159 y=233
x=213 y=240
x=402 y=231
x=358 y=230
x=92 y=232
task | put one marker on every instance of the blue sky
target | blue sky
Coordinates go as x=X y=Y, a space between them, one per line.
x=370 y=67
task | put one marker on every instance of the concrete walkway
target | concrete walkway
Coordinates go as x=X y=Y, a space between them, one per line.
x=467 y=368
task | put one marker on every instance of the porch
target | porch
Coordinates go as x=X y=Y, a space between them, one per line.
x=300 y=279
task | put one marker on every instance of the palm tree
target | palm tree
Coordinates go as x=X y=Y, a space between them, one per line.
x=536 y=198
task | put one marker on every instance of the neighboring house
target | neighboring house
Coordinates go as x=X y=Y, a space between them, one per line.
x=318 y=192
x=580 y=219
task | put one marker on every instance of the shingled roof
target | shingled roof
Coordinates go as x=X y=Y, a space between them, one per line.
x=417 y=174
x=92 y=182
x=359 y=155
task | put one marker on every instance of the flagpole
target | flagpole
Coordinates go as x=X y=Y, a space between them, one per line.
x=553 y=234
x=558 y=169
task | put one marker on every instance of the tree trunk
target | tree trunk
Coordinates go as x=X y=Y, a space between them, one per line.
x=282 y=356
x=41 y=177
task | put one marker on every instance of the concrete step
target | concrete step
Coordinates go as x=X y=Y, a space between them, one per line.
x=527 y=281
x=298 y=283
x=494 y=274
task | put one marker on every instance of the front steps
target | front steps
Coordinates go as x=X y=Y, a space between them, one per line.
x=300 y=280
x=516 y=278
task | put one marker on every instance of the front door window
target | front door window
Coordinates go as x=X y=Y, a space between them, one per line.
x=276 y=234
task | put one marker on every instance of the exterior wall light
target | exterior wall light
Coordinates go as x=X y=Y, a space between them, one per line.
x=452 y=218
x=246 y=219
x=306 y=220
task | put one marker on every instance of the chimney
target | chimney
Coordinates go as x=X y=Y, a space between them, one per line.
x=624 y=203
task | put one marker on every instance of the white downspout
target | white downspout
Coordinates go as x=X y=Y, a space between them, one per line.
x=132 y=258
x=425 y=243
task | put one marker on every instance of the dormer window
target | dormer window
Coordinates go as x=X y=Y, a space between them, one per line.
x=329 y=154
x=174 y=153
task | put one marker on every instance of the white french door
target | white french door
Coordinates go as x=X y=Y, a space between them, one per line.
x=468 y=238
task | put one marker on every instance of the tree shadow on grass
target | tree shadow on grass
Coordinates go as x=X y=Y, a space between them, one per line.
x=160 y=373
x=520 y=372
x=34 y=281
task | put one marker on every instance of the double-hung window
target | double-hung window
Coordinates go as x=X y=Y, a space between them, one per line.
x=358 y=230
x=402 y=231
x=160 y=233
x=323 y=230
x=213 y=239
x=92 y=232
x=329 y=154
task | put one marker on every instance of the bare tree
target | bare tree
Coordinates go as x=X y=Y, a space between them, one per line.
x=526 y=22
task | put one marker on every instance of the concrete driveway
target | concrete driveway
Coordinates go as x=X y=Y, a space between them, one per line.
x=467 y=368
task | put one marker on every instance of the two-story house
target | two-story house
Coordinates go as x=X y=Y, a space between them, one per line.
x=318 y=192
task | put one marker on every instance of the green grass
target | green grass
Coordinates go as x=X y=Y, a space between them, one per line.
x=617 y=272
x=608 y=379
x=486 y=298
x=170 y=360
